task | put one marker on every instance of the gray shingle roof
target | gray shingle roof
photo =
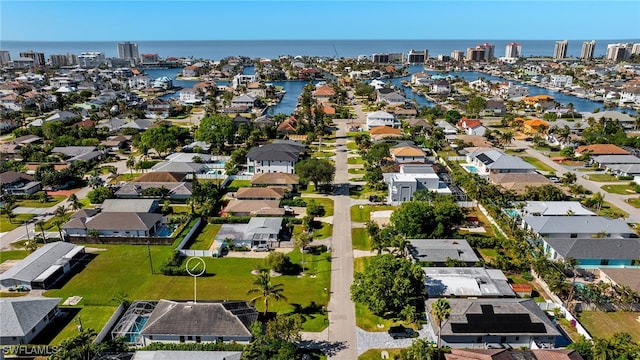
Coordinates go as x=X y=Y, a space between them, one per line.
x=576 y=225
x=120 y=221
x=20 y=315
x=128 y=205
x=39 y=261
x=437 y=250
x=275 y=152
x=598 y=248
x=556 y=208
x=201 y=319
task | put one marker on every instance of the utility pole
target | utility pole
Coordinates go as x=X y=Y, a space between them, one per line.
x=150 y=260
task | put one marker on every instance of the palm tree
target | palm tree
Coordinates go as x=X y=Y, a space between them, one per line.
x=440 y=311
x=131 y=163
x=41 y=225
x=506 y=137
x=60 y=211
x=301 y=241
x=75 y=202
x=58 y=224
x=265 y=290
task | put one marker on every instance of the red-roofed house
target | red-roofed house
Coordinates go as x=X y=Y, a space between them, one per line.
x=471 y=126
x=601 y=149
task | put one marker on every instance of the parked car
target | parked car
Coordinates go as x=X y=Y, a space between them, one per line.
x=554 y=179
x=401 y=332
x=261 y=247
x=288 y=210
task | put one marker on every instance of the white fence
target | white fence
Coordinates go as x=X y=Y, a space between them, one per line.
x=189 y=234
x=203 y=253
x=550 y=305
x=112 y=321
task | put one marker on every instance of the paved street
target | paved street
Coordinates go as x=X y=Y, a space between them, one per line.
x=342 y=317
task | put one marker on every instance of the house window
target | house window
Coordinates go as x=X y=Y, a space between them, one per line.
x=604 y=262
x=479 y=339
x=181 y=339
x=517 y=338
x=189 y=338
x=198 y=339
x=573 y=236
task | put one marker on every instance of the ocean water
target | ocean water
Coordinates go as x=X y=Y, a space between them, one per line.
x=217 y=49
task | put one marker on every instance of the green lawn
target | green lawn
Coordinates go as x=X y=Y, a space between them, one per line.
x=226 y=278
x=376 y=354
x=538 y=164
x=13 y=255
x=92 y=317
x=6 y=225
x=351 y=145
x=323 y=154
x=35 y=203
x=602 y=177
x=605 y=324
x=325 y=202
x=180 y=209
x=622 y=189
x=356 y=171
x=635 y=202
x=360 y=239
x=362 y=213
x=125 y=177
x=356 y=160
x=323 y=230
x=365 y=192
x=240 y=183
x=488 y=254
x=611 y=211
x=351 y=134
x=205 y=238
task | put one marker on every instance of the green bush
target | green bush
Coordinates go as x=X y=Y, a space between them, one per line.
x=230 y=220
x=174 y=266
x=527 y=276
x=294 y=202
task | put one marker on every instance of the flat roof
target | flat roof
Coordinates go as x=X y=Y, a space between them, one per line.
x=466 y=282
x=438 y=250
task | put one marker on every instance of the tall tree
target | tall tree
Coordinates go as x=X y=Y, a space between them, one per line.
x=301 y=241
x=317 y=171
x=264 y=289
x=440 y=310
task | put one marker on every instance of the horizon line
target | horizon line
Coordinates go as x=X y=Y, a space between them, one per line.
x=425 y=39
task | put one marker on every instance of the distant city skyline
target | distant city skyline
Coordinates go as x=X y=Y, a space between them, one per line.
x=316 y=20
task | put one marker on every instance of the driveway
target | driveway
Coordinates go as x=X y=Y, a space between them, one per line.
x=382 y=340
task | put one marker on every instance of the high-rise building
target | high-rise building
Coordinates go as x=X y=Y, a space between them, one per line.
x=128 y=50
x=5 y=57
x=387 y=58
x=417 y=56
x=588 y=48
x=457 y=55
x=63 y=60
x=619 y=52
x=489 y=51
x=38 y=57
x=560 y=51
x=91 y=59
x=635 y=50
x=512 y=51
x=475 y=54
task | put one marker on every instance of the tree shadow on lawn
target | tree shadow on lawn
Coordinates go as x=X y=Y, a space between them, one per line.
x=328 y=348
x=60 y=322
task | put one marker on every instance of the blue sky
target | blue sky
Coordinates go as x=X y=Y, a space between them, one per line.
x=87 y=20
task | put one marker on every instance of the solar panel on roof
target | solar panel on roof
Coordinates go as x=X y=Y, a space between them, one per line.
x=485 y=159
x=489 y=322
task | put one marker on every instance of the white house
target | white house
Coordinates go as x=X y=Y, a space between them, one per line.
x=630 y=95
x=242 y=79
x=411 y=178
x=189 y=96
x=382 y=118
x=560 y=80
x=493 y=161
x=248 y=100
x=23 y=318
x=279 y=157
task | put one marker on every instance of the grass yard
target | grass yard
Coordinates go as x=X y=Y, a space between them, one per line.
x=204 y=240
x=240 y=183
x=355 y=160
x=570 y=330
x=606 y=324
x=602 y=177
x=92 y=317
x=635 y=202
x=362 y=213
x=611 y=211
x=356 y=171
x=351 y=145
x=323 y=154
x=622 y=189
x=360 y=239
x=13 y=255
x=376 y=354
x=488 y=254
x=351 y=134
x=325 y=202
x=538 y=164
x=6 y=225
x=226 y=278
x=35 y=203
x=125 y=177
x=365 y=192
x=180 y=209
x=321 y=231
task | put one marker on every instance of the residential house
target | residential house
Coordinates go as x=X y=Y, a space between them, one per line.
x=466 y=282
x=259 y=231
x=78 y=153
x=44 y=267
x=391 y=98
x=286 y=180
x=600 y=149
x=162 y=83
x=114 y=224
x=309 y=74
x=278 y=157
x=555 y=208
x=186 y=355
x=129 y=205
x=168 y=190
x=511 y=354
x=518 y=182
x=162 y=176
x=238 y=207
x=411 y=178
x=24 y=318
x=288 y=126
x=260 y=193
x=243 y=79
x=16 y=183
x=446 y=127
x=438 y=251
x=421 y=79
x=630 y=95
x=493 y=161
x=196 y=322
x=116 y=143
x=625 y=169
x=624 y=119
x=180 y=167
x=405 y=152
x=495 y=107
x=471 y=126
x=323 y=93
x=582 y=227
x=191 y=71
x=440 y=87
x=189 y=157
x=593 y=252
x=535 y=126
x=189 y=96
x=629 y=277
x=157 y=108
x=606 y=161
x=501 y=322
x=382 y=118
x=384 y=132
x=245 y=100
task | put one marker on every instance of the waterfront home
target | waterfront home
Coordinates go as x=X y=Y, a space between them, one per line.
x=245 y=100
x=391 y=97
x=505 y=322
x=509 y=91
x=288 y=126
x=277 y=157
x=382 y=118
x=421 y=79
x=309 y=74
x=440 y=87
x=157 y=108
x=189 y=96
x=191 y=71
x=24 y=318
x=323 y=93
x=466 y=282
x=630 y=95
x=162 y=83
x=560 y=81
x=411 y=178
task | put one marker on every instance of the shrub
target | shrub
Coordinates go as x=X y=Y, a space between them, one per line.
x=230 y=220
x=294 y=202
x=173 y=266
x=527 y=276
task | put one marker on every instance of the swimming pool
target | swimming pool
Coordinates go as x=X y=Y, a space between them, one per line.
x=471 y=168
x=511 y=212
x=165 y=231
